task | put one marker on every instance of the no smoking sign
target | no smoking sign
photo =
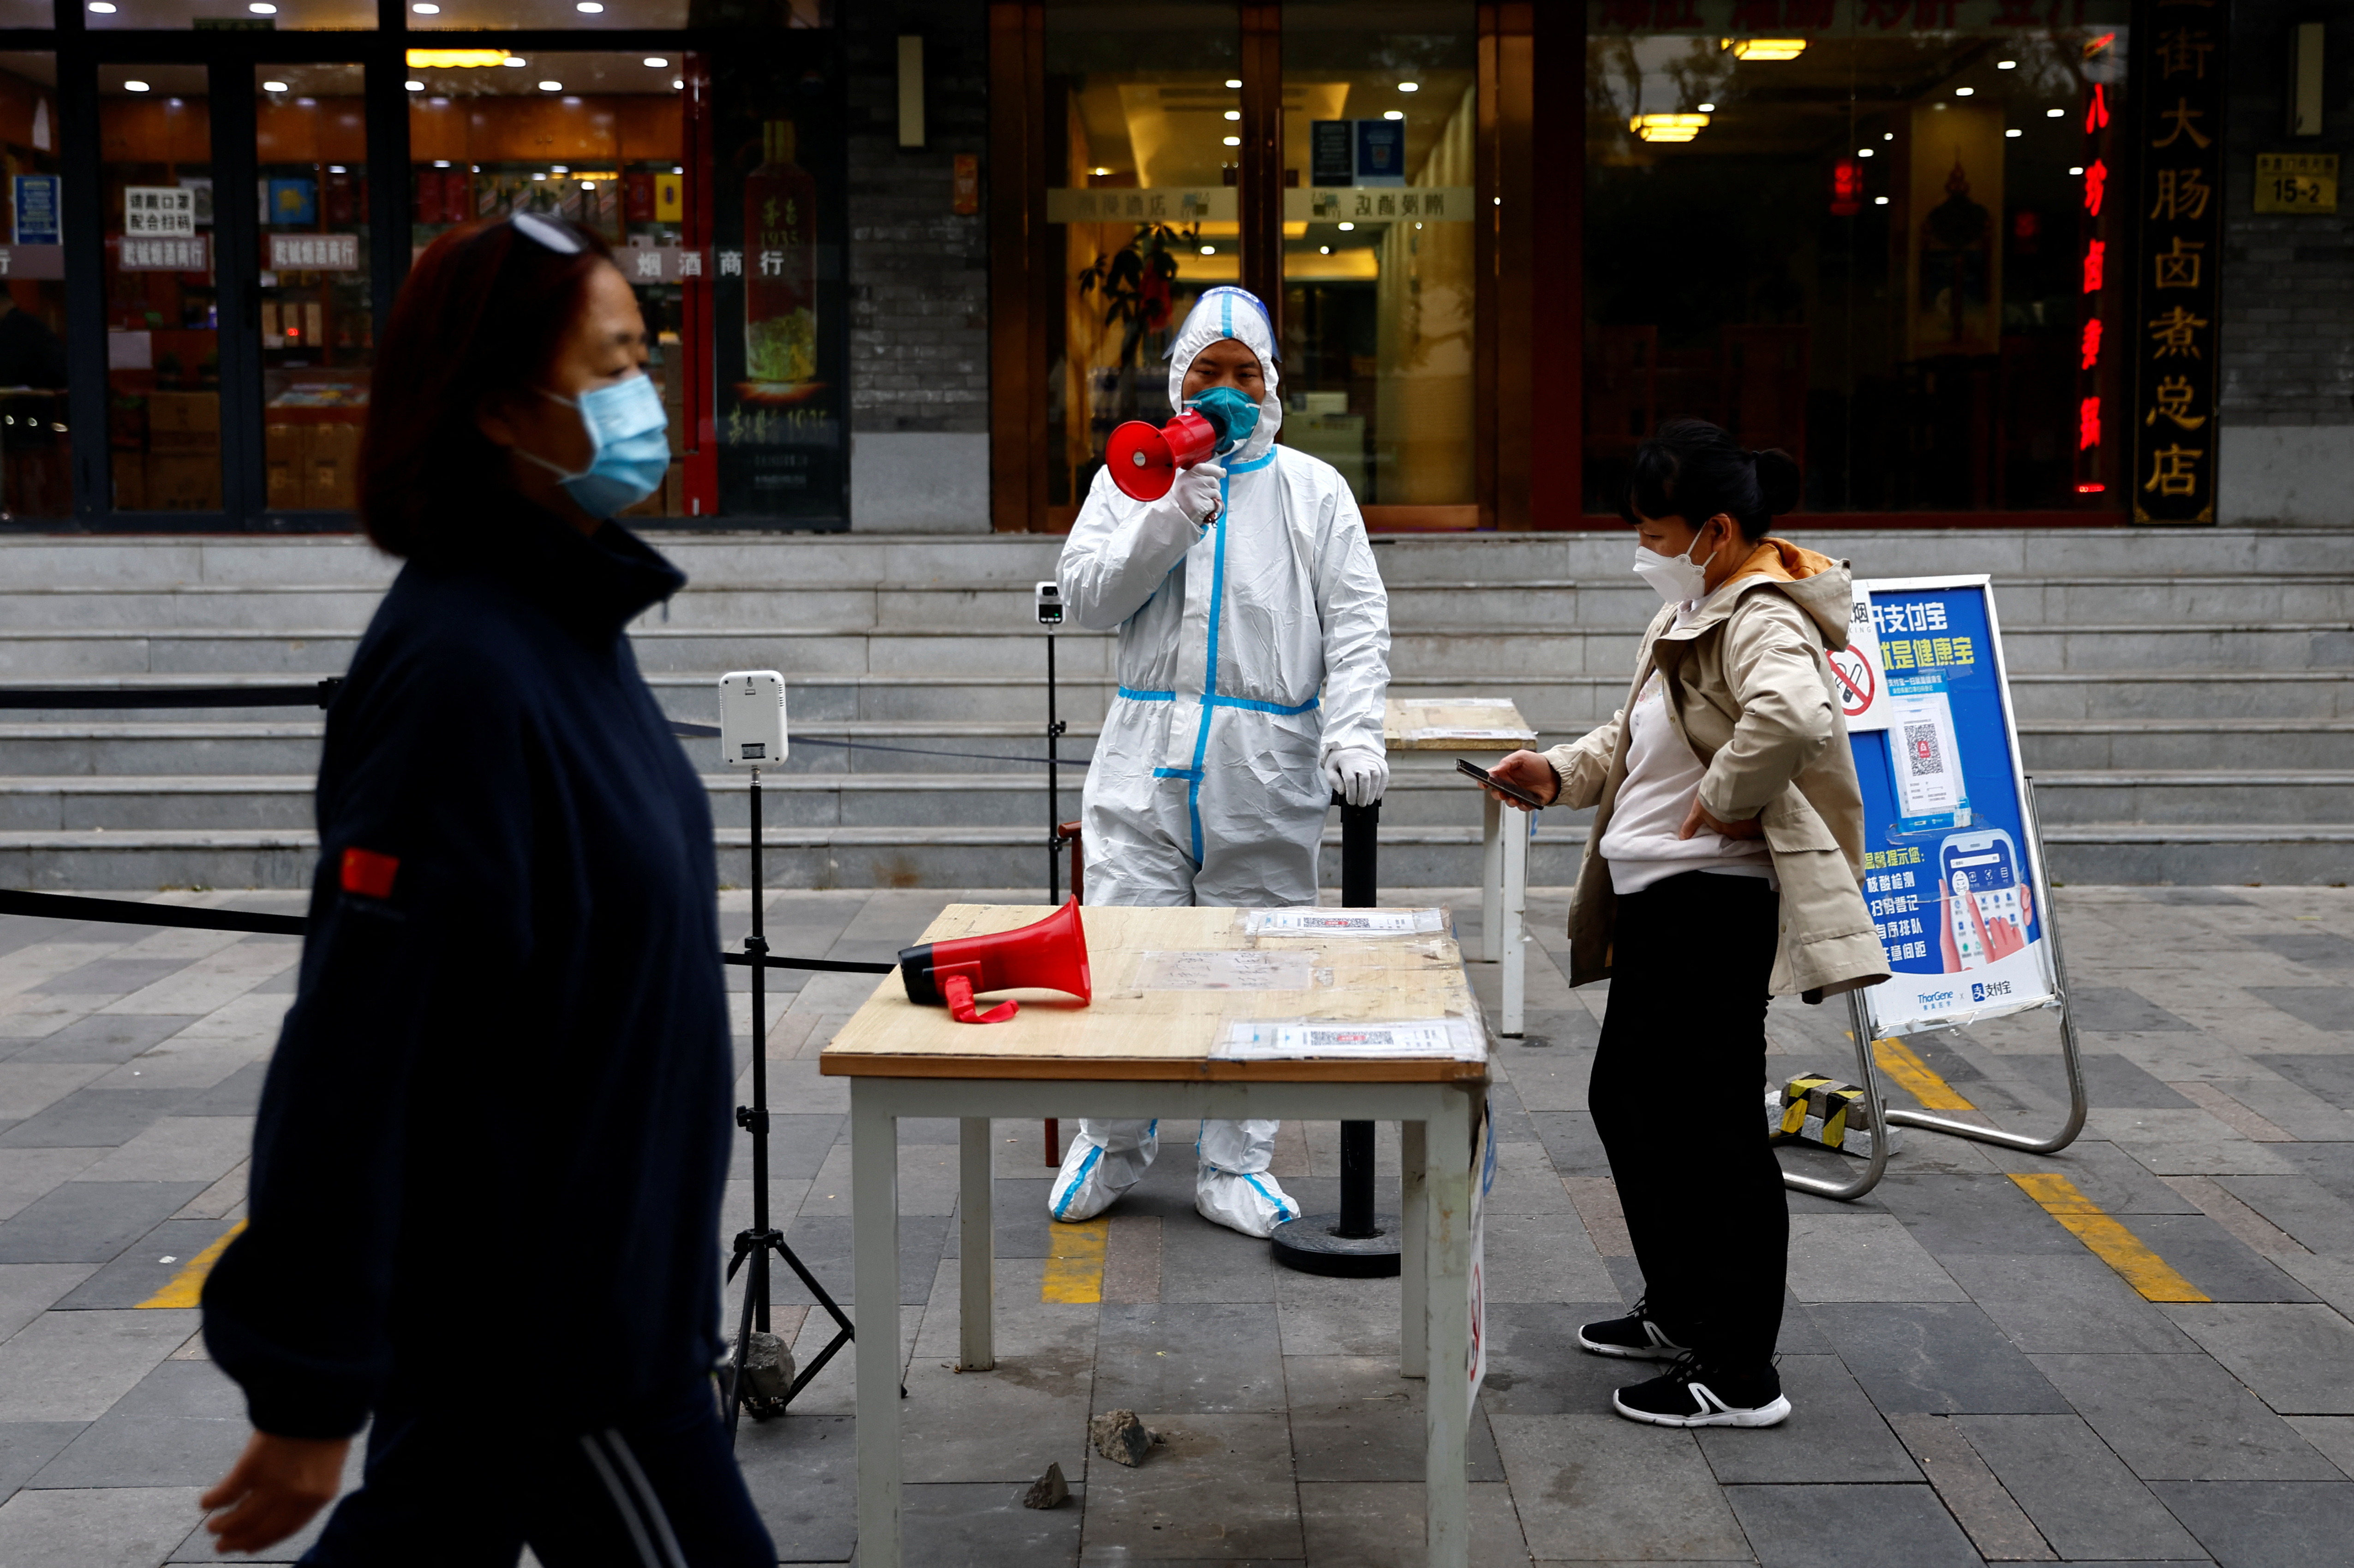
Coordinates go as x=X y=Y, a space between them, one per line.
x=1856 y=685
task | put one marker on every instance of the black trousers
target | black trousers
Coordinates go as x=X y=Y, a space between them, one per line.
x=469 y=1487
x=1678 y=1098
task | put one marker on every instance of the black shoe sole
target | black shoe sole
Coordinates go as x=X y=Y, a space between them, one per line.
x=1772 y=1414
x=1629 y=1353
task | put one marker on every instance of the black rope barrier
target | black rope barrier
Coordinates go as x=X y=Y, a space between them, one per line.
x=311 y=695
x=131 y=912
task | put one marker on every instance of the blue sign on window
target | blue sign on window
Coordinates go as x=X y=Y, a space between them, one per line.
x=293 y=203
x=35 y=199
x=1381 y=152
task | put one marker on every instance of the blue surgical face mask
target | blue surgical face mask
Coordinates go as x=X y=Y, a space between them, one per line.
x=629 y=435
x=1235 y=414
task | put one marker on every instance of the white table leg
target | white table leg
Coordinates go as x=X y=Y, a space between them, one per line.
x=1448 y=1195
x=1414 y=1267
x=875 y=1279
x=977 y=1251
x=1491 y=876
x=1516 y=905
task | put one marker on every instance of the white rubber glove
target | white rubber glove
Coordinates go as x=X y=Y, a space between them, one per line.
x=1195 y=493
x=1357 y=777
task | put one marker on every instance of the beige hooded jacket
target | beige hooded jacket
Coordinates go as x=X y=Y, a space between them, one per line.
x=1748 y=687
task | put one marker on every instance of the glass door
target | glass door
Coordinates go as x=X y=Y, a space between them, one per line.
x=1143 y=174
x=313 y=319
x=36 y=475
x=162 y=297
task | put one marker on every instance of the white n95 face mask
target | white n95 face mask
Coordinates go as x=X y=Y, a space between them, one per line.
x=1675 y=579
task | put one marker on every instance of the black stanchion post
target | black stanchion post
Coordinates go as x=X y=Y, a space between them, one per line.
x=1357 y=1242
x=1054 y=783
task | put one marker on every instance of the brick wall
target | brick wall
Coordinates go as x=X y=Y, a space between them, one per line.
x=918 y=272
x=2288 y=282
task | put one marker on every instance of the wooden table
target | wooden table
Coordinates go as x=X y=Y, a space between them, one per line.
x=1140 y=1051
x=1482 y=730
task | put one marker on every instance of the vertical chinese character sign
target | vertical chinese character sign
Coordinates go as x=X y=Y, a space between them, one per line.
x=2106 y=298
x=2179 y=124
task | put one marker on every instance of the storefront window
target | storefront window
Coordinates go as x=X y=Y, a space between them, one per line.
x=316 y=316
x=257 y=16
x=162 y=339
x=1380 y=121
x=427 y=15
x=1871 y=235
x=1144 y=133
x=36 y=480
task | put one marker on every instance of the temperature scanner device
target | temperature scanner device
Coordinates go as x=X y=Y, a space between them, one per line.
x=752 y=718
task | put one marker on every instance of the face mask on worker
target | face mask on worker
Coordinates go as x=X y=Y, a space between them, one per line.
x=629 y=435
x=1235 y=415
x=1676 y=579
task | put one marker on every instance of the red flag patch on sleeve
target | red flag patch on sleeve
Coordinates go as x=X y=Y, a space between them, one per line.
x=369 y=874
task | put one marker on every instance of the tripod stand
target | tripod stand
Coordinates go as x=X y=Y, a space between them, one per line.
x=755 y=1245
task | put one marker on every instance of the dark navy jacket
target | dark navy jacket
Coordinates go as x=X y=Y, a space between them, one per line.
x=493 y=1139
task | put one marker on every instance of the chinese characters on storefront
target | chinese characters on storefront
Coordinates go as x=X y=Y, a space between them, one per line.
x=2099 y=226
x=2180 y=122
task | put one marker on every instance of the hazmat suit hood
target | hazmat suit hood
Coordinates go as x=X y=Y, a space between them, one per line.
x=1229 y=311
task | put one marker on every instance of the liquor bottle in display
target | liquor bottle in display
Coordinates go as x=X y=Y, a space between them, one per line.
x=781 y=271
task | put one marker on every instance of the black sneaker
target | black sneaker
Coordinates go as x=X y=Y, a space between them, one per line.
x=1635 y=1336
x=1688 y=1395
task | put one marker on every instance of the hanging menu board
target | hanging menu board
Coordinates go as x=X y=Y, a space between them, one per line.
x=1952 y=871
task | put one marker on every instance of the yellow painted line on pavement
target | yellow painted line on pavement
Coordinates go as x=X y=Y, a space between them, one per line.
x=1075 y=1269
x=1899 y=1061
x=2110 y=1241
x=187 y=1287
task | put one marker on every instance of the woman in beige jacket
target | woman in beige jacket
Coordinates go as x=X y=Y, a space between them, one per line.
x=1722 y=865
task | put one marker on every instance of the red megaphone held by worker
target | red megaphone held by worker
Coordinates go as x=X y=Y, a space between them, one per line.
x=1051 y=955
x=1144 y=461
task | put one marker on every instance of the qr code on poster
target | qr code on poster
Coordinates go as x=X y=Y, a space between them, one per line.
x=1921 y=745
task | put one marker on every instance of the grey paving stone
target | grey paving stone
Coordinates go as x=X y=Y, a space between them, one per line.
x=1203 y=1262
x=1197 y=1357
x=2192 y=896
x=2107 y=1175
x=105 y=1037
x=2330 y=1077
x=1534 y=1364
x=1850 y=1527
x=2333 y=1435
x=2219 y=1263
x=1986 y=1513
x=26 y=1446
x=822 y=1244
x=2079 y=1493
x=2110 y=1079
x=73 y=1366
x=2300 y=1359
x=2265 y=1524
x=2303 y=1208
x=1863 y=1257
x=1833 y=1435
x=1353 y=1418
x=2327 y=1006
x=1323 y=1316
x=1568 y=1138
x=1935 y=1357
x=1380 y=1525
x=239 y=1093
x=90 y=1221
x=138 y=1271
x=2067 y=1305
x=128 y=1449
x=2330 y=1165
x=2182 y=1418
x=1600 y=1488
x=101 y=1527
x=987 y=1526
x=1219 y=1487
x=1542 y=1257
x=798 y=1145
x=101 y=1119
x=2118 y=1010
x=112 y=978
x=1007 y=1425
x=2314 y=950
x=1959 y=1214
x=29 y=1290
x=803 y=1473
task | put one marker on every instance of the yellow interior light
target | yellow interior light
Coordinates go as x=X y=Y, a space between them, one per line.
x=455 y=60
x=1768 y=48
x=1668 y=127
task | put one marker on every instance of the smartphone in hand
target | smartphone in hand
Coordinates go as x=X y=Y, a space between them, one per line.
x=1473 y=770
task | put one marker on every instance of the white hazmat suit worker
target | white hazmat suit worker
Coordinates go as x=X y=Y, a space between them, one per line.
x=1254 y=659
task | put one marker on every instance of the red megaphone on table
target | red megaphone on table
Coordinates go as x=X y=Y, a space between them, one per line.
x=1051 y=955
x=1144 y=461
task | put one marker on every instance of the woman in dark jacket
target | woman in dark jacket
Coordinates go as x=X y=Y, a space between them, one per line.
x=487 y=1169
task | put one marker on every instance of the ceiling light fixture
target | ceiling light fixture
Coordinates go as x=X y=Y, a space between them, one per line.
x=136 y=87
x=1392 y=113
x=1964 y=91
x=1765 y=48
x=1234 y=114
x=2014 y=131
x=1233 y=81
x=426 y=10
x=1348 y=227
x=2006 y=65
x=414 y=86
x=1880 y=201
x=1323 y=251
x=1409 y=87
x=262 y=8
x=101 y=8
x=1234 y=141
x=1706 y=108
x=1668 y=127
x=2055 y=114
x=273 y=86
x=551 y=87
x=458 y=59
x=656 y=62
x=1863 y=152
x=1209 y=251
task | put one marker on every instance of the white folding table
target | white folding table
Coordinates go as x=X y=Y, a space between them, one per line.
x=1482 y=730
x=1142 y=1051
